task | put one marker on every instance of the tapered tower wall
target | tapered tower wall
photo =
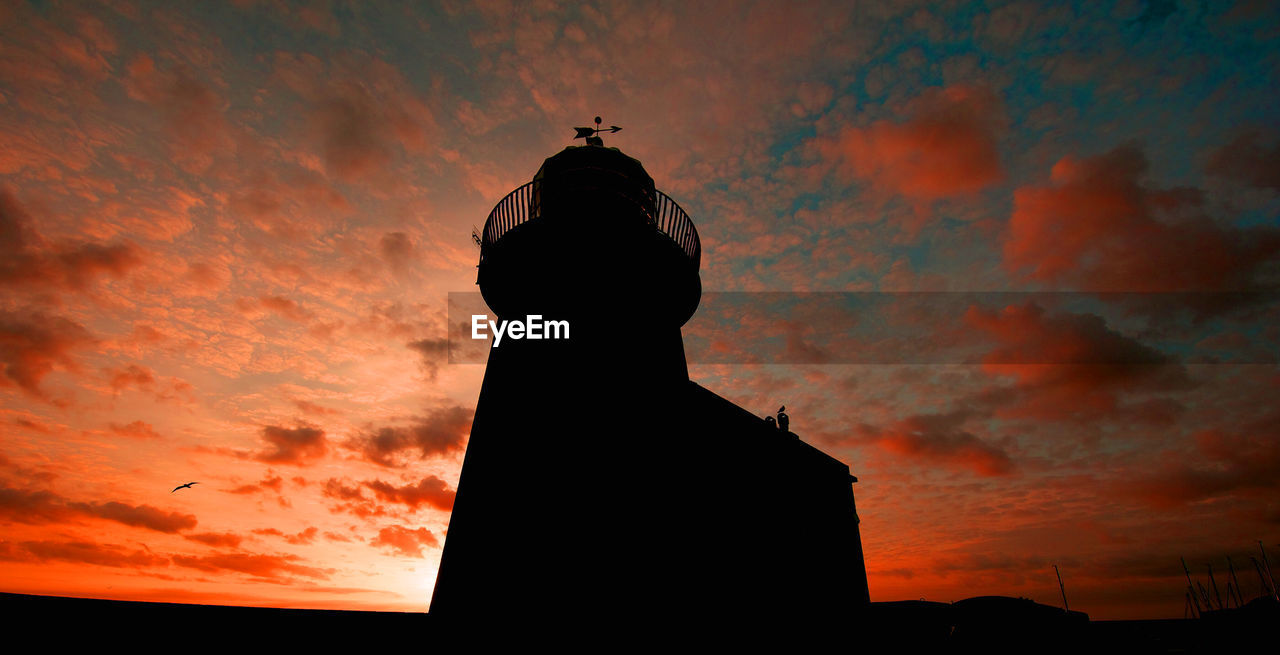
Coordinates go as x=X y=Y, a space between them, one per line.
x=598 y=479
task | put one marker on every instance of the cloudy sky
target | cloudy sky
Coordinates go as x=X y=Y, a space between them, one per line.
x=228 y=232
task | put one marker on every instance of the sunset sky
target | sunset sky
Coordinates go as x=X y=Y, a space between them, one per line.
x=228 y=232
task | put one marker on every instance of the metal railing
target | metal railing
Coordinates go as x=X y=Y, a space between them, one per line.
x=524 y=204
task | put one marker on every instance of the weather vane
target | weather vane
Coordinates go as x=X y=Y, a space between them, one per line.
x=590 y=133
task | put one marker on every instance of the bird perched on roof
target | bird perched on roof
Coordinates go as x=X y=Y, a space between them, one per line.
x=184 y=486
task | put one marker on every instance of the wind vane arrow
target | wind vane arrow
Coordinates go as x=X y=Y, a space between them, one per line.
x=591 y=133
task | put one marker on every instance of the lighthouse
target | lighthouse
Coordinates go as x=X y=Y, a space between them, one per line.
x=599 y=480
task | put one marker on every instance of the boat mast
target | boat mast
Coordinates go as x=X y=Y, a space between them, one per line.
x=1191 y=588
x=1234 y=581
x=1061 y=588
x=1214 y=584
x=1266 y=563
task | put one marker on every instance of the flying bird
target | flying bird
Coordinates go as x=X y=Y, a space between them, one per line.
x=184 y=486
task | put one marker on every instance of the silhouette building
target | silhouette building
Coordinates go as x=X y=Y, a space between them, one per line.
x=599 y=480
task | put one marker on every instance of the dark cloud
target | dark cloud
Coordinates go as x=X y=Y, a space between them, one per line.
x=313 y=409
x=32 y=345
x=1246 y=160
x=221 y=540
x=334 y=488
x=404 y=541
x=293 y=445
x=272 y=567
x=1222 y=464
x=431 y=491
x=442 y=432
x=397 y=249
x=278 y=305
x=33 y=507
x=80 y=552
x=190 y=108
x=939 y=439
x=1097 y=227
x=131 y=375
x=41 y=507
x=434 y=354
x=27 y=261
x=135 y=430
x=1068 y=365
x=139 y=516
x=352 y=500
x=354 y=137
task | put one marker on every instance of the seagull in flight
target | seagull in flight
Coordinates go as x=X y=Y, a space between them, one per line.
x=184 y=486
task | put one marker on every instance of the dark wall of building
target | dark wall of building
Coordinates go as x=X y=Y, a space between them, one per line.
x=624 y=494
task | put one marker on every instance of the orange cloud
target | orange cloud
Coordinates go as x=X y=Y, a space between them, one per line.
x=301 y=538
x=404 y=541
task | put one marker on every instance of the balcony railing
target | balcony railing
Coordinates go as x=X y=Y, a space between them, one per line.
x=524 y=204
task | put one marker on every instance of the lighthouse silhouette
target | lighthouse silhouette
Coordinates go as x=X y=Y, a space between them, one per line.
x=599 y=481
